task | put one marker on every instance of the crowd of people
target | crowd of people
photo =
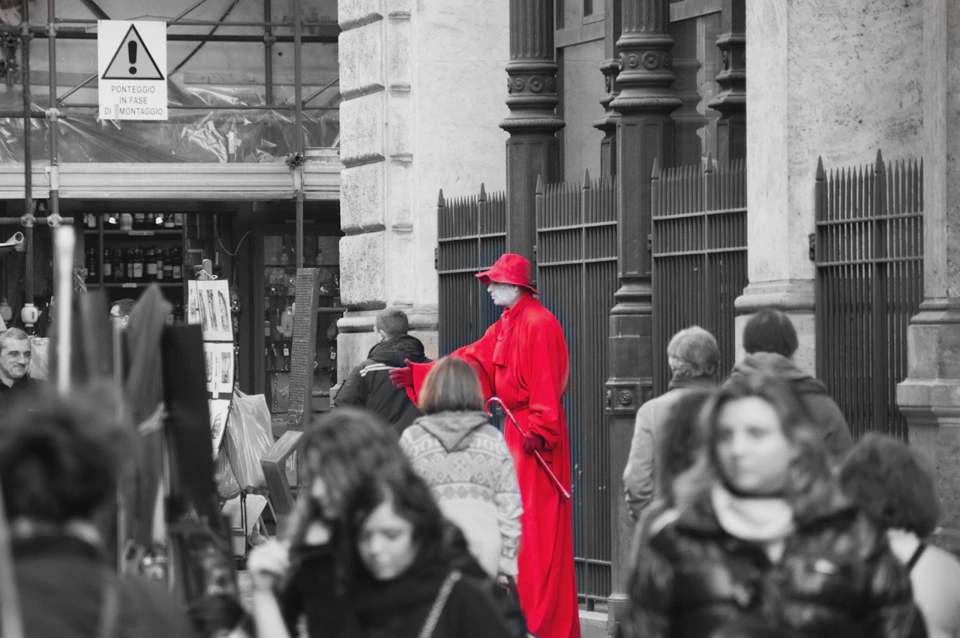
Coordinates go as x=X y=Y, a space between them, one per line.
x=756 y=515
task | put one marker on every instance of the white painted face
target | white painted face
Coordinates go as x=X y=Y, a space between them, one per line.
x=503 y=294
x=386 y=544
x=753 y=452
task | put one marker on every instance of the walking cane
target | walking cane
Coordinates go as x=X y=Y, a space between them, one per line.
x=536 y=453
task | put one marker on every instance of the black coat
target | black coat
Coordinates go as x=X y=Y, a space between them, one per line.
x=837 y=579
x=369 y=386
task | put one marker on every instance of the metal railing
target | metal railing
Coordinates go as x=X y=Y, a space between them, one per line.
x=471 y=235
x=869 y=256
x=577 y=278
x=699 y=250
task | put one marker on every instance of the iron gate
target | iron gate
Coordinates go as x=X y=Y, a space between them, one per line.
x=869 y=257
x=577 y=277
x=699 y=250
x=471 y=235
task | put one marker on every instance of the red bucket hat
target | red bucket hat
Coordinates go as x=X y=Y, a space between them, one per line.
x=509 y=269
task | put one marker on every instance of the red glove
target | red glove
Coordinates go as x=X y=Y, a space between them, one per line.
x=533 y=443
x=402 y=377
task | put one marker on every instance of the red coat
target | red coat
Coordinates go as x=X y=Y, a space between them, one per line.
x=523 y=359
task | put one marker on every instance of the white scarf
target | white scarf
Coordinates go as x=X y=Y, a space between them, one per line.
x=764 y=520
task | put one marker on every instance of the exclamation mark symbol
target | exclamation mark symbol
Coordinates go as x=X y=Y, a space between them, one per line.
x=132 y=52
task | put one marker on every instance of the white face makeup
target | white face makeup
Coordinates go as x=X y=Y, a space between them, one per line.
x=504 y=295
x=753 y=452
x=386 y=544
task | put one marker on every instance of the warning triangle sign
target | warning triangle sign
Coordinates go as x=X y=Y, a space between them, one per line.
x=132 y=60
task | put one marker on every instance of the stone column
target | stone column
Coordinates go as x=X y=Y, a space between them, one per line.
x=732 y=100
x=930 y=396
x=533 y=149
x=644 y=137
x=610 y=68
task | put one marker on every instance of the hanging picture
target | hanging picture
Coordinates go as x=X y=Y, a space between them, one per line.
x=209 y=305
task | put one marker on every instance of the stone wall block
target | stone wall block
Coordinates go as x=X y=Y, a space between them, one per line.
x=352 y=13
x=400 y=187
x=399 y=142
x=401 y=276
x=361 y=60
x=362 y=198
x=362 y=268
x=361 y=124
x=398 y=53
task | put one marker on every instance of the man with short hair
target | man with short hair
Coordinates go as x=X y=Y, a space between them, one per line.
x=15 y=354
x=771 y=341
x=369 y=386
x=693 y=356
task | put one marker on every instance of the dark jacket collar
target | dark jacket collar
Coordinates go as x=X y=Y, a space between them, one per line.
x=393 y=352
x=699 y=383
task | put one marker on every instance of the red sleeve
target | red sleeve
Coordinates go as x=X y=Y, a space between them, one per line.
x=420 y=372
x=479 y=354
x=546 y=367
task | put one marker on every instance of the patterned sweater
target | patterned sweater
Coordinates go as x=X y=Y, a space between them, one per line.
x=467 y=465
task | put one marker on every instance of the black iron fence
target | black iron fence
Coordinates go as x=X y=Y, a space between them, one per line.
x=577 y=277
x=869 y=257
x=699 y=250
x=471 y=235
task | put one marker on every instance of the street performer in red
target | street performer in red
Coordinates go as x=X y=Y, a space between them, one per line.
x=523 y=359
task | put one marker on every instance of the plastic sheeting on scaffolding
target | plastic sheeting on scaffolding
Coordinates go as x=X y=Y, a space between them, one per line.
x=189 y=135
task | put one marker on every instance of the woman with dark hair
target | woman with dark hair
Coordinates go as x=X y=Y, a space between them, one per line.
x=60 y=458
x=465 y=462
x=896 y=490
x=761 y=535
x=308 y=574
x=410 y=584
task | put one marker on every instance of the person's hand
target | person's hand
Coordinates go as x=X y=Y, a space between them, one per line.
x=402 y=377
x=533 y=443
x=268 y=563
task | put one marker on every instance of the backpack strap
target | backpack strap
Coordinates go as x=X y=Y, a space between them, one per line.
x=434 y=616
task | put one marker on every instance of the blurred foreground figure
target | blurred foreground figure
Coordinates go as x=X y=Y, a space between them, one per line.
x=761 y=537
x=896 y=490
x=59 y=462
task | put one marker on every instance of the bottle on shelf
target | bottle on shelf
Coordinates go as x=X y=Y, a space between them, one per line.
x=168 y=220
x=91 y=264
x=178 y=220
x=126 y=221
x=286 y=356
x=107 y=265
x=150 y=255
x=158 y=256
x=90 y=221
x=138 y=264
x=168 y=266
x=119 y=265
x=139 y=220
x=177 y=272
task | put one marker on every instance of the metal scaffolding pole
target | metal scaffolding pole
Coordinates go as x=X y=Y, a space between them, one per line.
x=28 y=218
x=298 y=119
x=53 y=117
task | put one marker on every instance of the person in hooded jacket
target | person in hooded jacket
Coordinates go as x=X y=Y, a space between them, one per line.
x=770 y=341
x=369 y=386
x=467 y=465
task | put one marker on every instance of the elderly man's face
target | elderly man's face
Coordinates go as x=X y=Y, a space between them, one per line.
x=14 y=359
x=503 y=294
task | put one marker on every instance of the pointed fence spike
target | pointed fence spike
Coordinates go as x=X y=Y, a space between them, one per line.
x=539 y=190
x=821 y=175
x=483 y=193
x=586 y=178
x=656 y=168
x=879 y=163
x=440 y=199
x=709 y=168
